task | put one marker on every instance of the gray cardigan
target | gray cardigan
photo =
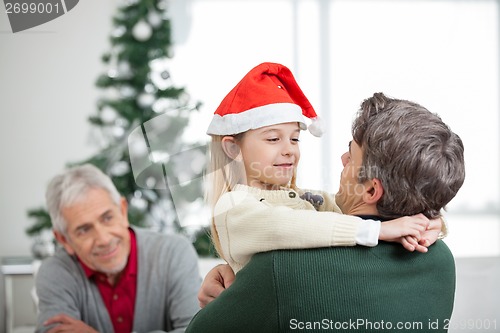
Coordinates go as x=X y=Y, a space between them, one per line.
x=168 y=281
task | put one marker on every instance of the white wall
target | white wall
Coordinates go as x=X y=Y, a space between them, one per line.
x=47 y=91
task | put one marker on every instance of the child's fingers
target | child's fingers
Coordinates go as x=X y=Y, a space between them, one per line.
x=416 y=244
x=424 y=242
x=407 y=245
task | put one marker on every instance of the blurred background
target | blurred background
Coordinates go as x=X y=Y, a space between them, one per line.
x=442 y=54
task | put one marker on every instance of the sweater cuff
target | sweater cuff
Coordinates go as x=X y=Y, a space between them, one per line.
x=368 y=233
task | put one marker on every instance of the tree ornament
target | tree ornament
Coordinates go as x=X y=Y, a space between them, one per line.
x=122 y=122
x=151 y=182
x=43 y=245
x=108 y=115
x=117 y=131
x=127 y=91
x=142 y=31
x=154 y=18
x=163 y=5
x=112 y=72
x=149 y=88
x=139 y=203
x=165 y=75
x=118 y=32
x=120 y=168
x=163 y=104
x=160 y=76
x=145 y=100
x=123 y=70
x=137 y=148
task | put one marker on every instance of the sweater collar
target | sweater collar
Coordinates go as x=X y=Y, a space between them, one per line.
x=372 y=217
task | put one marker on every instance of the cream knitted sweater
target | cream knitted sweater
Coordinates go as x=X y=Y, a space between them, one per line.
x=250 y=220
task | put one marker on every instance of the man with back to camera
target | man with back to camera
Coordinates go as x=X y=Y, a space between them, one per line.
x=107 y=276
x=403 y=160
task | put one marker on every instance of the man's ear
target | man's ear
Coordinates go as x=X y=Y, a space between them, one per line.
x=230 y=147
x=64 y=242
x=374 y=191
x=124 y=209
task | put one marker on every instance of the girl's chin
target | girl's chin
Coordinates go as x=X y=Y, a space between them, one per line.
x=275 y=185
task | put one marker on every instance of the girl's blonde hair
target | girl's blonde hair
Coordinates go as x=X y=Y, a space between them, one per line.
x=223 y=174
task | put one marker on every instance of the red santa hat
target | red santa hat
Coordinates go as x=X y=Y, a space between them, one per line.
x=267 y=95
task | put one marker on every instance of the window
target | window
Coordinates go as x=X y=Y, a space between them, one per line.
x=441 y=54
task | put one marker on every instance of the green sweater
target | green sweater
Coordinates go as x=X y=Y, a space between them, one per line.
x=343 y=289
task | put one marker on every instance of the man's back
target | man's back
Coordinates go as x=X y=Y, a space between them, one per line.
x=350 y=289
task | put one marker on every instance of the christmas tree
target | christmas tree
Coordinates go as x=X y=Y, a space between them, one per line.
x=139 y=125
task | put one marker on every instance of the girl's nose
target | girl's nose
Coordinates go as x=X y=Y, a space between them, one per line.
x=289 y=148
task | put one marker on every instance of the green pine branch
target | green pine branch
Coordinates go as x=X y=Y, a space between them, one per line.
x=42 y=221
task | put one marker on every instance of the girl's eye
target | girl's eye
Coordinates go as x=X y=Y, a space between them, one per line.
x=273 y=139
x=295 y=140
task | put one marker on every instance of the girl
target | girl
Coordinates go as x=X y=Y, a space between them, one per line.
x=254 y=155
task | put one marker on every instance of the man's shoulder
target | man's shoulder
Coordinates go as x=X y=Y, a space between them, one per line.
x=438 y=253
x=440 y=248
x=383 y=256
x=61 y=258
x=59 y=267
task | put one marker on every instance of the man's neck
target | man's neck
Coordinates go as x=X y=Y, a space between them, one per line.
x=363 y=210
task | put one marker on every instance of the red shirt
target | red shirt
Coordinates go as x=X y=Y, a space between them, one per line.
x=120 y=298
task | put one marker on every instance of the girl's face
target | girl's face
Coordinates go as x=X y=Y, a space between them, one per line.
x=270 y=155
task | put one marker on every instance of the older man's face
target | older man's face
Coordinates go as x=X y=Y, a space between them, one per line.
x=97 y=232
x=350 y=195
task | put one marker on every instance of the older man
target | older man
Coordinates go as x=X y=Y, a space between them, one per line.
x=403 y=160
x=107 y=276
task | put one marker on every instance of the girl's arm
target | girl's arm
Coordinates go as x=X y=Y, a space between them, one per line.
x=246 y=226
x=324 y=201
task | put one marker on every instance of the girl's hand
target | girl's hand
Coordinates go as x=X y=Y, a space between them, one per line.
x=411 y=244
x=431 y=235
x=407 y=230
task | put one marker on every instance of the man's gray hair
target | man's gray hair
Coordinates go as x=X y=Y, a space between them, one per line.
x=71 y=186
x=415 y=155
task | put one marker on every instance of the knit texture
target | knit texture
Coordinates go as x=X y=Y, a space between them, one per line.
x=350 y=289
x=249 y=220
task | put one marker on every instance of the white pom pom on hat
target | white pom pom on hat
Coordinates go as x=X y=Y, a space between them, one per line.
x=316 y=128
x=267 y=95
